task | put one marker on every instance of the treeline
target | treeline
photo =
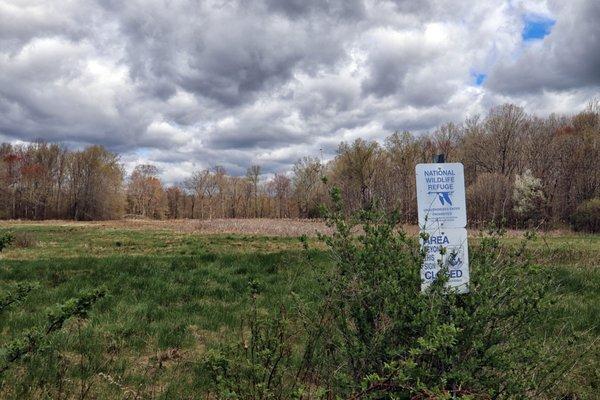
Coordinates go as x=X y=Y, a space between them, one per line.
x=42 y=181
x=519 y=168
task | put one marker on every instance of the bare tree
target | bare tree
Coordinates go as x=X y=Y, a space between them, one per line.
x=355 y=168
x=145 y=193
x=175 y=202
x=96 y=185
x=403 y=152
x=495 y=145
x=253 y=176
x=282 y=188
x=308 y=172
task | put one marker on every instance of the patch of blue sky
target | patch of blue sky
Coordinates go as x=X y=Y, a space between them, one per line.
x=142 y=152
x=536 y=27
x=478 y=78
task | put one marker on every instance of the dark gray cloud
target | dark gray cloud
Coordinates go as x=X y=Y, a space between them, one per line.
x=231 y=53
x=191 y=84
x=252 y=137
x=341 y=9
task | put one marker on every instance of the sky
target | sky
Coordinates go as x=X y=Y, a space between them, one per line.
x=188 y=85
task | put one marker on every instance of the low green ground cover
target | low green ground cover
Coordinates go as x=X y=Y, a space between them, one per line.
x=171 y=295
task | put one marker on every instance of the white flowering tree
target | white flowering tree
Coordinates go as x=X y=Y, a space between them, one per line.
x=528 y=197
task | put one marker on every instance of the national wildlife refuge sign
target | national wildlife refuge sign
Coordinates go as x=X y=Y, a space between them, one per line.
x=443 y=218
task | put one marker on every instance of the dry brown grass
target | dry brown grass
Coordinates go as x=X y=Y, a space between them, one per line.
x=269 y=227
x=250 y=226
x=257 y=226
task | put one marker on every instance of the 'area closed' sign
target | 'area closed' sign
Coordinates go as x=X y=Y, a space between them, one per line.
x=441 y=196
x=442 y=218
x=454 y=257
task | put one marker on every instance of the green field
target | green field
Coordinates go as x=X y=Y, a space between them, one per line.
x=172 y=295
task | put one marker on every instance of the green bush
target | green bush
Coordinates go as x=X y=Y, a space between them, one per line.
x=391 y=339
x=587 y=217
x=375 y=335
x=32 y=340
x=5 y=240
x=260 y=366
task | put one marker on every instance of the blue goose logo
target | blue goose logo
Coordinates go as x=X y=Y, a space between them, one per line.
x=443 y=197
x=454 y=259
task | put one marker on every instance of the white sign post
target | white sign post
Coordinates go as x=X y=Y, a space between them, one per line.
x=441 y=196
x=447 y=248
x=443 y=218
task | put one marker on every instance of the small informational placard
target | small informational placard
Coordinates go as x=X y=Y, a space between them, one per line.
x=441 y=196
x=448 y=249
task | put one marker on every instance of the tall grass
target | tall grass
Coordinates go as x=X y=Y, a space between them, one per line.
x=171 y=297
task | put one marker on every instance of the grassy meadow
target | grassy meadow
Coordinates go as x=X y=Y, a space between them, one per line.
x=173 y=294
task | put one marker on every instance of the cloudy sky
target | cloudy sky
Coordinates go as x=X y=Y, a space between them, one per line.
x=193 y=84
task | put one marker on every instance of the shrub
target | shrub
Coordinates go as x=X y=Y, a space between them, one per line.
x=376 y=335
x=31 y=341
x=587 y=217
x=5 y=240
x=529 y=198
x=262 y=364
x=16 y=295
x=393 y=340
